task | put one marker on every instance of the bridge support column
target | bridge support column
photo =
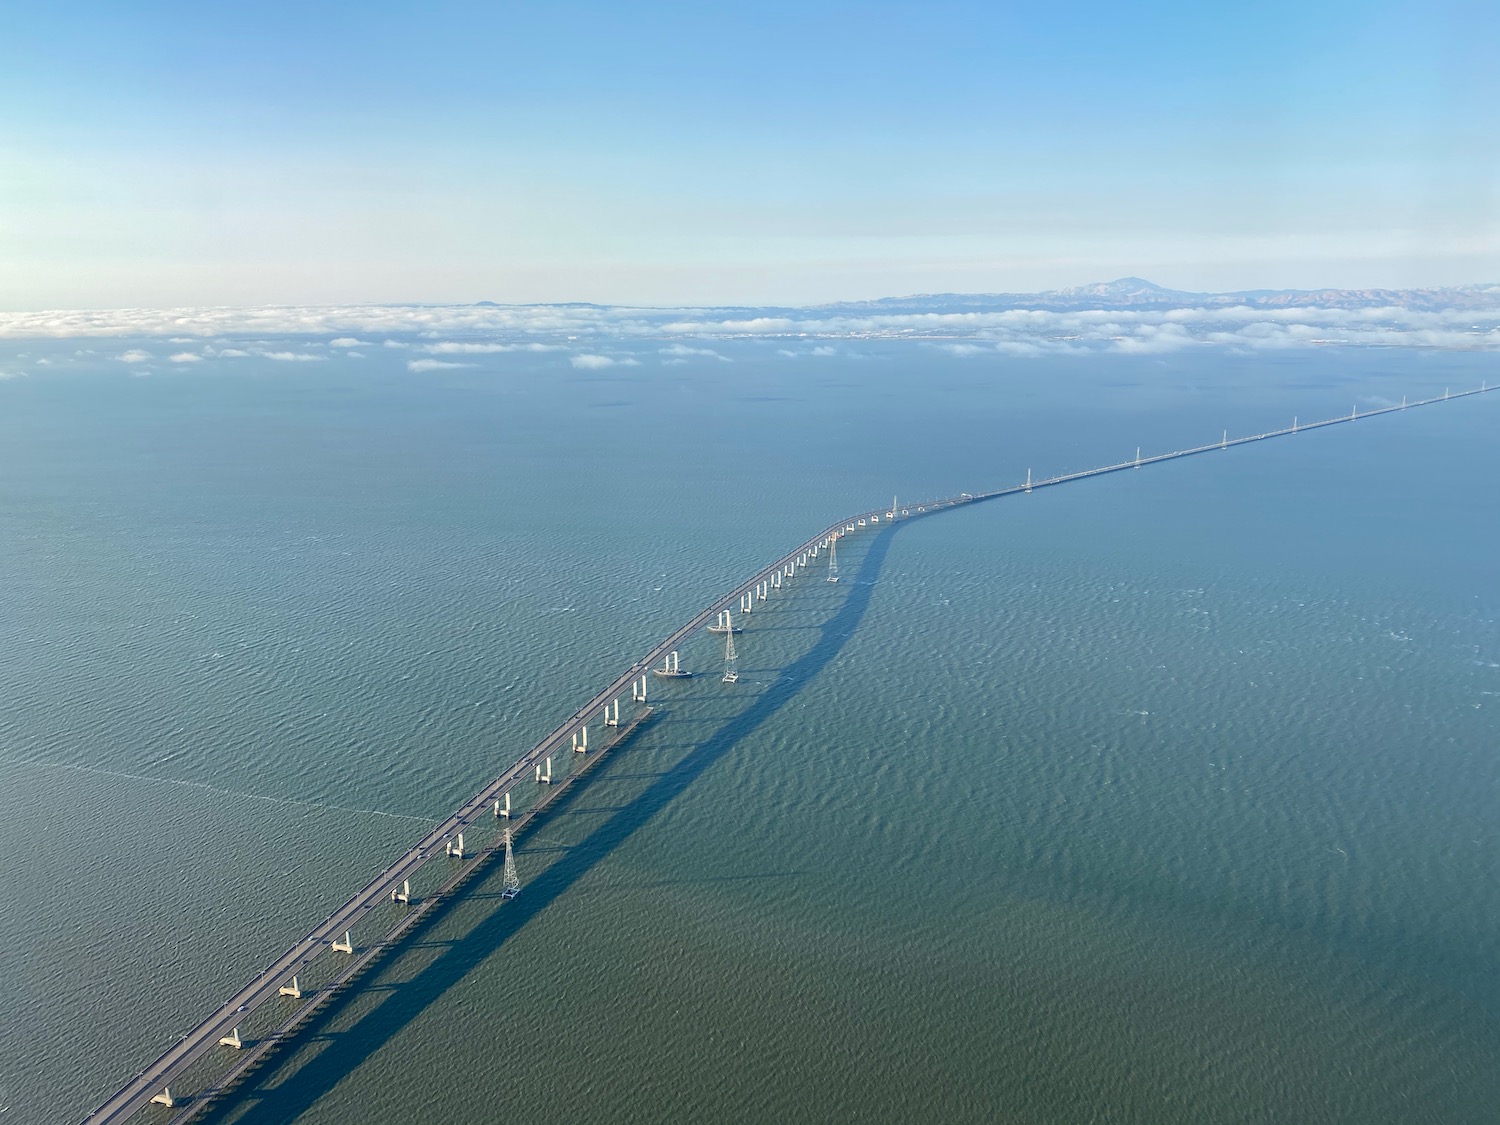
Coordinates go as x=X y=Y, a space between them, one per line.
x=502 y=810
x=544 y=778
x=454 y=849
x=165 y=1098
x=581 y=747
x=404 y=894
x=612 y=718
x=233 y=1040
x=346 y=945
x=294 y=990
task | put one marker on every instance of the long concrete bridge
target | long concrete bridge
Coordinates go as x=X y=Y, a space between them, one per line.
x=151 y=1089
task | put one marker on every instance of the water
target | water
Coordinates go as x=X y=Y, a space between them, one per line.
x=1164 y=797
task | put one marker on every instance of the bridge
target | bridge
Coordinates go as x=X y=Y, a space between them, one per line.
x=151 y=1089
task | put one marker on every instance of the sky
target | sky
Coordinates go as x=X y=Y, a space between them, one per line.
x=185 y=155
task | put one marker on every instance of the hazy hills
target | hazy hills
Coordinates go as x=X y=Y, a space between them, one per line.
x=1138 y=293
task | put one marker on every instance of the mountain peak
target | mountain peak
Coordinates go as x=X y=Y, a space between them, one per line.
x=1132 y=289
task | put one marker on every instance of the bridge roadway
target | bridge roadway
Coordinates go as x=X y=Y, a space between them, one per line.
x=137 y=1093
x=205 y=1037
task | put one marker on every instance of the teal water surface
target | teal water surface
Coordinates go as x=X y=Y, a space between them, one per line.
x=1164 y=797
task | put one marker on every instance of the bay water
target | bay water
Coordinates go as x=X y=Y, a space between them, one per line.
x=1163 y=797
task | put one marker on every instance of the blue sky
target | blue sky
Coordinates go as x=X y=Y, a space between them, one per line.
x=193 y=154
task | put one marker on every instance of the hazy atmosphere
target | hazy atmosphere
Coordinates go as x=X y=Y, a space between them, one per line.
x=187 y=154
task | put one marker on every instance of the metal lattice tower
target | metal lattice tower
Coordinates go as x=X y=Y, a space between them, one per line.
x=512 y=885
x=731 y=661
x=833 y=558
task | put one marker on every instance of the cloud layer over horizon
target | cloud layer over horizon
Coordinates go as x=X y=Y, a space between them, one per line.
x=486 y=330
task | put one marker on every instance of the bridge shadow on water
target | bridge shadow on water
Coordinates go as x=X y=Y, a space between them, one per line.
x=278 y=1097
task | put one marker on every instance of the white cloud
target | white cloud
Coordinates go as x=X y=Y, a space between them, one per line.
x=476 y=330
x=347 y=342
x=186 y=357
x=591 y=362
x=1021 y=348
x=433 y=365
x=231 y=353
x=292 y=357
x=1152 y=339
x=682 y=351
x=455 y=348
x=452 y=347
x=7 y=374
x=818 y=350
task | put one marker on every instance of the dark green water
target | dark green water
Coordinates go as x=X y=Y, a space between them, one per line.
x=1166 y=797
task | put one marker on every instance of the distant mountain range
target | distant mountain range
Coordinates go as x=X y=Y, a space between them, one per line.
x=1138 y=293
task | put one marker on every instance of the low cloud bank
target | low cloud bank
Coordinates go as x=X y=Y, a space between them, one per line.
x=588 y=362
x=420 y=365
x=470 y=330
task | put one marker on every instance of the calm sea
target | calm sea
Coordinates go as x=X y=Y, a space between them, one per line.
x=1164 y=798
